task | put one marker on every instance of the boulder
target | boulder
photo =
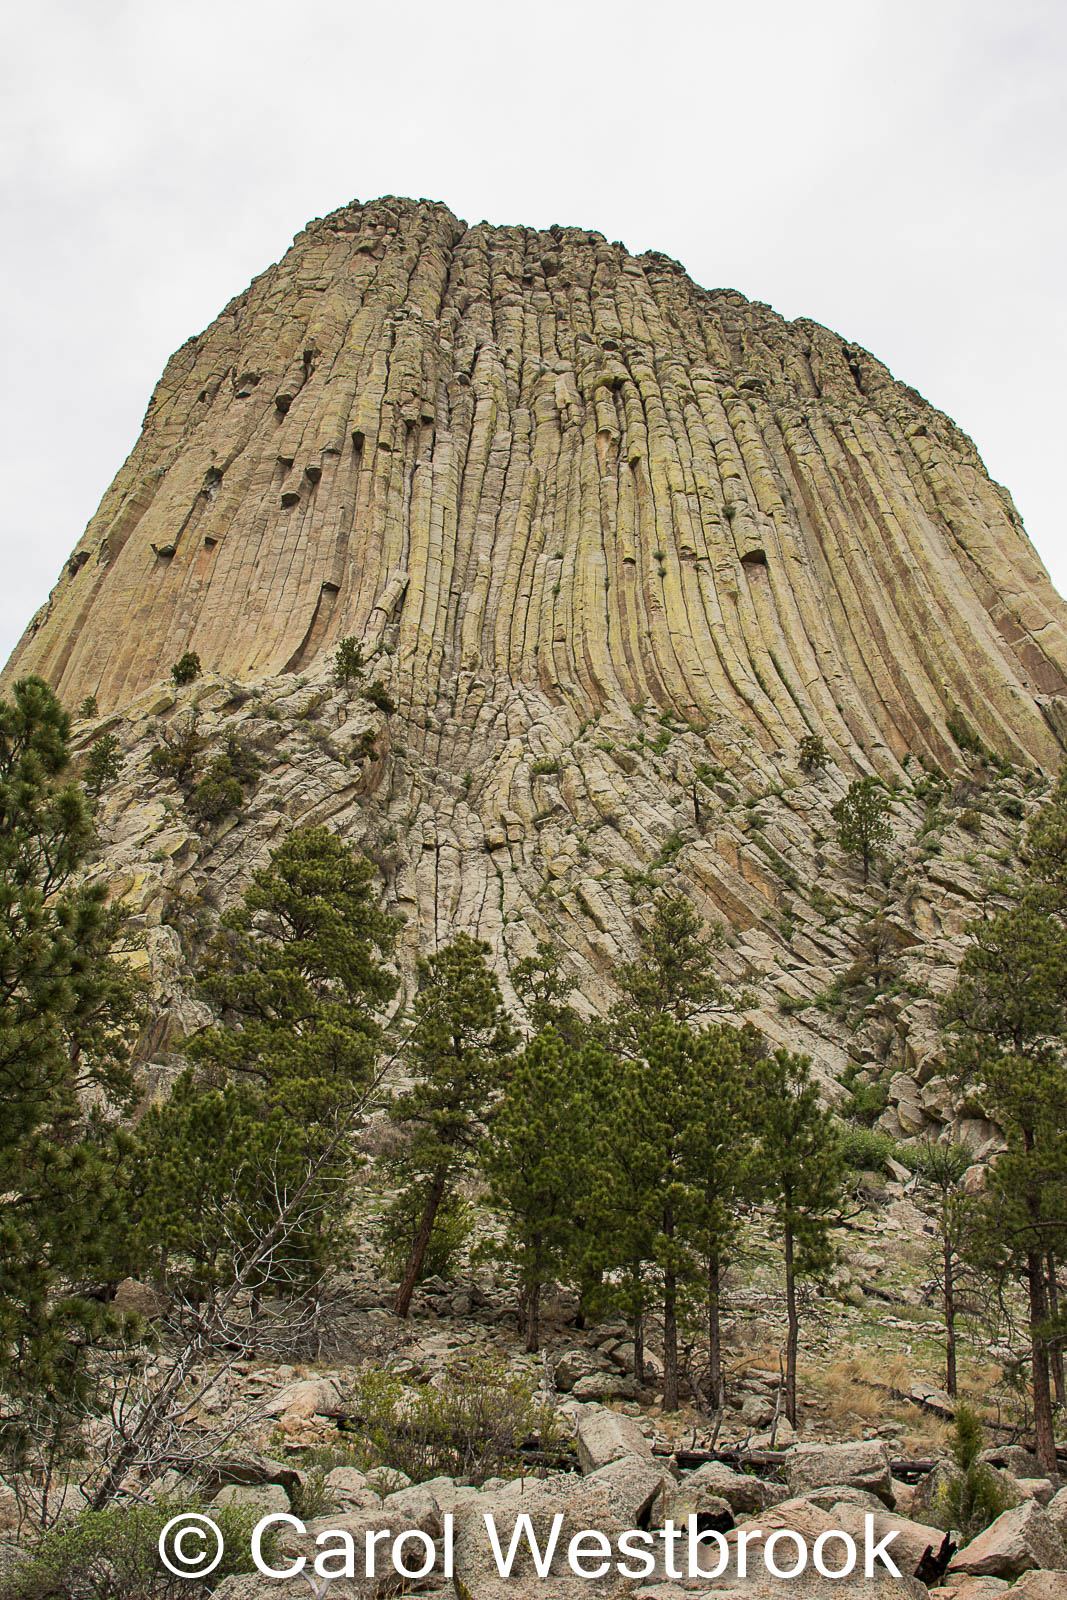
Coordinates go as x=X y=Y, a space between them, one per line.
x=913 y=1539
x=863 y=1465
x=1014 y=1459
x=1041 y=1586
x=349 y=1490
x=572 y=1366
x=1039 y=1489
x=971 y=1589
x=311 y=1397
x=802 y=1517
x=931 y=1493
x=605 y=1386
x=613 y=1497
x=680 y=1501
x=262 y=1498
x=743 y=1493
x=605 y=1436
x=1057 y=1510
x=135 y=1299
x=1022 y=1538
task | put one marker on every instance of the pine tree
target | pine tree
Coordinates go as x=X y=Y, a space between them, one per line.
x=297 y=970
x=953 y=1215
x=862 y=819
x=459 y=1053
x=671 y=1163
x=535 y=1161
x=545 y=993
x=69 y=1013
x=186 y=669
x=103 y=765
x=724 y=1158
x=1007 y=1022
x=674 y=974
x=347 y=660
x=803 y=1174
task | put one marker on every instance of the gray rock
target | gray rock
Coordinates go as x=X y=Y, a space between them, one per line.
x=311 y=1397
x=610 y=1499
x=1022 y=1538
x=604 y=1436
x=1040 y=1586
x=263 y=1498
x=862 y=1465
x=743 y=1493
x=1057 y=1510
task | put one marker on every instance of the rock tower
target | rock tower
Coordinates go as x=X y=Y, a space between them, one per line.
x=612 y=544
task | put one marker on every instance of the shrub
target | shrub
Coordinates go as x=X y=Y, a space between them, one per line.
x=965 y=737
x=179 y=760
x=865 y=1150
x=378 y=696
x=87 y=709
x=217 y=795
x=364 y=748
x=472 y=1425
x=813 y=754
x=186 y=669
x=970 y=1502
x=114 y=1555
x=545 y=767
x=451 y=1230
x=347 y=660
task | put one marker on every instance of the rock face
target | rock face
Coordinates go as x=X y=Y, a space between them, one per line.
x=613 y=545
x=558 y=476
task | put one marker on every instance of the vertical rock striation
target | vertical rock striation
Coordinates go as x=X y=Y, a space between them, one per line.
x=555 y=474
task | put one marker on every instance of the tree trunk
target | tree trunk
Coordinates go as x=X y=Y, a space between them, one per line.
x=714 y=1332
x=434 y=1196
x=1056 y=1348
x=533 y=1319
x=670 y=1341
x=950 y=1321
x=793 y=1335
x=639 y=1347
x=1046 y=1439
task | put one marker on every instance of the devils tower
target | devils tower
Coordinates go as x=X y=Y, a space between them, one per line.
x=613 y=545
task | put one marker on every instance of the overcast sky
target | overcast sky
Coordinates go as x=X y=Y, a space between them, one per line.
x=892 y=168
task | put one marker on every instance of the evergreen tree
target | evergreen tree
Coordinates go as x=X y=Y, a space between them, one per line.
x=459 y=1053
x=862 y=819
x=103 y=765
x=803 y=1175
x=69 y=1013
x=953 y=1215
x=724 y=1157
x=813 y=753
x=298 y=973
x=545 y=994
x=348 y=660
x=1007 y=1020
x=671 y=1164
x=186 y=669
x=674 y=975
x=535 y=1162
